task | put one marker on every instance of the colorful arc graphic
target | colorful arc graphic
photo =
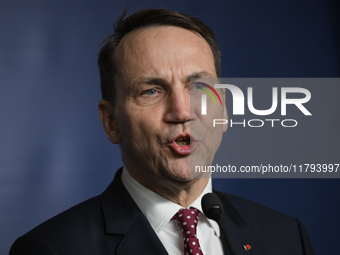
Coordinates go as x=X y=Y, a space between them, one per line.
x=212 y=89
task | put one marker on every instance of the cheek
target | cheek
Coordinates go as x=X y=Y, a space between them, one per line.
x=139 y=123
x=213 y=134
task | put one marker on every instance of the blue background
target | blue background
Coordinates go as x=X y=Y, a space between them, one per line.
x=54 y=153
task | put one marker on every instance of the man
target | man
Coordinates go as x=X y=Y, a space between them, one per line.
x=149 y=109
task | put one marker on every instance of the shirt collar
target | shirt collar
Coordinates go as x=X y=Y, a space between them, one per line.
x=157 y=209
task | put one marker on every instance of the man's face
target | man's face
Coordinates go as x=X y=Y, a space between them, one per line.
x=152 y=114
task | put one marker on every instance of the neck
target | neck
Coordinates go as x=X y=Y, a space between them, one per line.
x=183 y=194
x=180 y=192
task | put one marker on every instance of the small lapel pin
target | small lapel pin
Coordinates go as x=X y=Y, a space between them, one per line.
x=247 y=247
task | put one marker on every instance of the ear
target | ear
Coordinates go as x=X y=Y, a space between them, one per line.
x=109 y=121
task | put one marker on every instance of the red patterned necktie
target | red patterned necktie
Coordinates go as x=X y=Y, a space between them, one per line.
x=187 y=220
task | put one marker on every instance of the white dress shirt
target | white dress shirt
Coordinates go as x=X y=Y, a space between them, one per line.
x=159 y=211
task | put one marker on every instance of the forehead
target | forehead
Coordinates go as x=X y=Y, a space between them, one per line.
x=163 y=50
x=158 y=35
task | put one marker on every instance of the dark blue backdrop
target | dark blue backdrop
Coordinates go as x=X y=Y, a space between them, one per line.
x=53 y=151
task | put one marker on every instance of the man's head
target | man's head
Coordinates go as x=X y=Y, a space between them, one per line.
x=151 y=115
x=146 y=18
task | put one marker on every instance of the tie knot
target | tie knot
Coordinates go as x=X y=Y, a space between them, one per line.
x=187 y=220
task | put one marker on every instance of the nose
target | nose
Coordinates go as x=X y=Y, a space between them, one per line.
x=178 y=106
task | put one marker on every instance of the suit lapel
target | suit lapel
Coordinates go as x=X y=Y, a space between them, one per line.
x=236 y=229
x=123 y=217
x=141 y=239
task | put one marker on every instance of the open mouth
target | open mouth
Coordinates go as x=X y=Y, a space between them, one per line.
x=182 y=141
x=184 y=144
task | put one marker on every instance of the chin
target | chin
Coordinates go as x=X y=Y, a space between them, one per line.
x=183 y=170
x=186 y=175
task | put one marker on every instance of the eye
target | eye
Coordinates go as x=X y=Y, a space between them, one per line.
x=198 y=85
x=150 y=92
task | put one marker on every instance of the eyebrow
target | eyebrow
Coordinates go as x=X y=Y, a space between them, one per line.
x=202 y=74
x=157 y=80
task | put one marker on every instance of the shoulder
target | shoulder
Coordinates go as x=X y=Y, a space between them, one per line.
x=77 y=217
x=268 y=228
x=65 y=229
x=255 y=215
x=95 y=226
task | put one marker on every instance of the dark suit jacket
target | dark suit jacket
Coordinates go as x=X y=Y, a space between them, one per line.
x=113 y=224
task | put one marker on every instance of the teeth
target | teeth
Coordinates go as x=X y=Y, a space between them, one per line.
x=183 y=142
